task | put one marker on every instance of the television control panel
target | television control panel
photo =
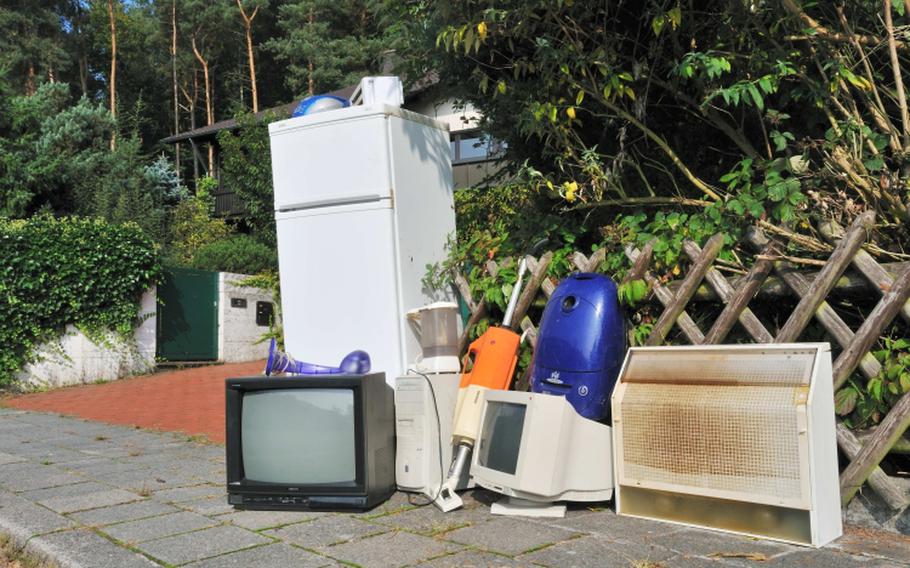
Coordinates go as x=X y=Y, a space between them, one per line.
x=297 y=502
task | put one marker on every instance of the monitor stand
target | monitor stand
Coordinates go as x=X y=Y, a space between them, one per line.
x=525 y=508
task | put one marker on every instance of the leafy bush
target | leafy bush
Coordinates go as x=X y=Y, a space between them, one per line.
x=246 y=170
x=239 y=253
x=192 y=225
x=56 y=272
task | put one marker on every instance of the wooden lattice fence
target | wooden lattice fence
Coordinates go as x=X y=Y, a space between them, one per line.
x=892 y=284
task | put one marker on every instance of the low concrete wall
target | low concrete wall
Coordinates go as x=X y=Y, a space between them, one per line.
x=238 y=332
x=75 y=359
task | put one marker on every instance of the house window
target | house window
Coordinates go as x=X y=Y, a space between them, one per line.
x=475 y=146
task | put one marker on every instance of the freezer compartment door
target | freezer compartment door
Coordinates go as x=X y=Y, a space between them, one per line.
x=338 y=285
x=334 y=163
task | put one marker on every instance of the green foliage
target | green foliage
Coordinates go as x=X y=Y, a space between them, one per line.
x=56 y=155
x=246 y=173
x=192 y=226
x=632 y=292
x=77 y=271
x=863 y=406
x=239 y=253
x=327 y=45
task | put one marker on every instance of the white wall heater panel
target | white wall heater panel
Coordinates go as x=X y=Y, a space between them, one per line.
x=734 y=437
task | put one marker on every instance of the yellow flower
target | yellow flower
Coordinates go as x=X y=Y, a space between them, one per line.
x=482 y=30
x=570 y=112
x=571 y=189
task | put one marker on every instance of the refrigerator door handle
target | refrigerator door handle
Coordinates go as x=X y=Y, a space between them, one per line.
x=346 y=200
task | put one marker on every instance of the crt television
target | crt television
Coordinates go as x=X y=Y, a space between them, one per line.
x=536 y=447
x=310 y=442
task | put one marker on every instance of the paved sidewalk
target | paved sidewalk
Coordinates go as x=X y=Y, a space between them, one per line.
x=96 y=495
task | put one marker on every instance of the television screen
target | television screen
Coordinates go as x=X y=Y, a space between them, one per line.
x=299 y=436
x=500 y=439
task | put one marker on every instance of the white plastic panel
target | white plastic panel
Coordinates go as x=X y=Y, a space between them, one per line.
x=330 y=163
x=338 y=286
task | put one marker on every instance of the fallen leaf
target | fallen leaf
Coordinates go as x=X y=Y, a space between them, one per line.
x=756 y=556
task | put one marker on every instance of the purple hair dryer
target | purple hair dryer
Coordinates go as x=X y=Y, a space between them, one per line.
x=354 y=363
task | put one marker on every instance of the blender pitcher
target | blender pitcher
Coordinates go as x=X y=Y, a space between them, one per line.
x=437 y=326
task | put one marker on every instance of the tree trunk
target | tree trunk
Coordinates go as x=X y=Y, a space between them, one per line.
x=83 y=74
x=113 y=77
x=248 y=27
x=309 y=64
x=174 y=84
x=209 y=114
x=30 y=80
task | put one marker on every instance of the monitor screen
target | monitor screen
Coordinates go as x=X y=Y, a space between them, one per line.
x=298 y=436
x=500 y=439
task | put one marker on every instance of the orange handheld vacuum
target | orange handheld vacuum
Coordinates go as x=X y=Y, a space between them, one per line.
x=494 y=355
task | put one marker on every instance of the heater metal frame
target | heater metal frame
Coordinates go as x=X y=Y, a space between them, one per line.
x=697 y=503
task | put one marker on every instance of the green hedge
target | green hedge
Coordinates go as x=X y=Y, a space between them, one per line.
x=239 y=253
x=80 y=271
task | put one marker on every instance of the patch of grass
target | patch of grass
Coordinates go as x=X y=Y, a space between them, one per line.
x=13 y=556
x=47 y=462
x=198 y=439
x=144 y=491
x=134 y=453
x=101 y=438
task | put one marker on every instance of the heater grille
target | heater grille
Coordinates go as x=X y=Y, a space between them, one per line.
x=739 y=440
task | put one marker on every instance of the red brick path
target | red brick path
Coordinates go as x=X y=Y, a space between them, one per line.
x=189 y=400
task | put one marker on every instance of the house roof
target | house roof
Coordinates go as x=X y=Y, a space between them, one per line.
x=211 y=130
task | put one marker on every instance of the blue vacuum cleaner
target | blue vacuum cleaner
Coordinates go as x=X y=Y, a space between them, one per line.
x=581 y=344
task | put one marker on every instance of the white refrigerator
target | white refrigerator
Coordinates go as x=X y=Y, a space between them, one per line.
x=363 y=203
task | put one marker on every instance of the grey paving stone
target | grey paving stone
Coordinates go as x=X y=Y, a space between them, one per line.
x=509 y=535
x=705 y=543
x=396 y=503
x=84 y=488
x=260 y=520
x=143 y=479
x=597 y=552
x=26 y=476
x=608 y=523
x=198 y=545
x=874 y=543
x=390 y=549
x=83 y=548
x=804 y=558
x=24 y=519
x=189 y=493
x=121 y=513
x=104 y=498
x=325 y=531
x=209 y=506
x=92 y=466
x=271 y=556
x=158 y=527
x=10 y=458
x=475 y=559
x=429 y=520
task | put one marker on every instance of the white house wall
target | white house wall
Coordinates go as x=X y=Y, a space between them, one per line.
x=75 y=359
x=238 y=334
x=446 y=111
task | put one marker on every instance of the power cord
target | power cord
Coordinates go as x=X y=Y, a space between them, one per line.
x=442 y=473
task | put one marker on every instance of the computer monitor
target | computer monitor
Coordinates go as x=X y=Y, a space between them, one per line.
x=536 y=447
x=310 y=442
